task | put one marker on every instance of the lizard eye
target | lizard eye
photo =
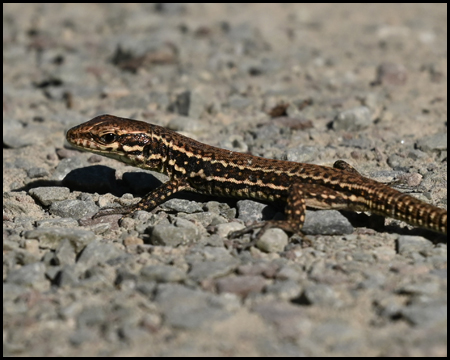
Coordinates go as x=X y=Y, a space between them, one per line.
x=108 y=138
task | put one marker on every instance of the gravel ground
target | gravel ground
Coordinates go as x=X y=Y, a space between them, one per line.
x=310 y=83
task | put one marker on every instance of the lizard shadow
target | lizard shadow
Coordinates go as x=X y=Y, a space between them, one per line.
x=96 y=178
x=102 y=180
x=377 y=223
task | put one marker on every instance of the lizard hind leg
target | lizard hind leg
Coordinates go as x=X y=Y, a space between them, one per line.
x=295 y=217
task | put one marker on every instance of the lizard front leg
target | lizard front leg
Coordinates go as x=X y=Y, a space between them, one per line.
x=149 y=201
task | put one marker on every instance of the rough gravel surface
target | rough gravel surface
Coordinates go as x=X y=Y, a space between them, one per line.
x=309 y=83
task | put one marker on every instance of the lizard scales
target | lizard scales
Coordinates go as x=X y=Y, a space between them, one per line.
x=202 y=168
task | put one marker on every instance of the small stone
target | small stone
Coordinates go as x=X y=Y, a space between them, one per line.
x=240 y=285
x=47 y=195
x=32 y=246
x=162 y=273
x=195 y=309
x=32 y=275
x=132 y=240
x=170 y=235
x=285 y=290
x=182 y=205
x=250 y=210
x=407 y=244
x=224 y=229
x=391 y=74
x=273 y=240
x=76 y=209
x=65 y=253
x=355 y=119
x=97 y=253
x=51 y=237
x=426 y=315
x=211 y=269
x=326 y=222
x=320 y=294
x=433 y=143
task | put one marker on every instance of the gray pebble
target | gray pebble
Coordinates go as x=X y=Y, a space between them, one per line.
x=267 y=269
x=181 y=123
x=58 y=223
x=132 y=101
x=416 y=154
x=37 y=172
x=170 y=235
x=47 y=195
x=195 y=309
x=355 y=119
x=91 y=316
x=441 y=273
x=286 y=290
x=238 y=102
x=97 y=253
x=147 y=288
x=162 y=273
x=290 y=273
x=263 y=134
x=249 y=210
x=32 y=275
x=211 y=269
x=224 y=229
x=373 y=280
x=76 y=209
x=182 y=205
x=286 y=317
x=159 y=98
x=213 y=240
x=16 y=135
x=192 y=104
x=67 y=277
x=360 y=142
x=433 y=143
x=340 y=336
x=204 y=218
x=221 y=209
x=65 y=253
x=240 y=285
x=429 y=288
x=65 y=166
x=235 y=142
x=398 y=163
x=320 y=294
x=326 y=222
x=302 y=154
x=82 y=335
x=391 y=74
x=273 y=240
x=12 y=291
x=408 y=244
x=50 y=238
x=426 y=315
